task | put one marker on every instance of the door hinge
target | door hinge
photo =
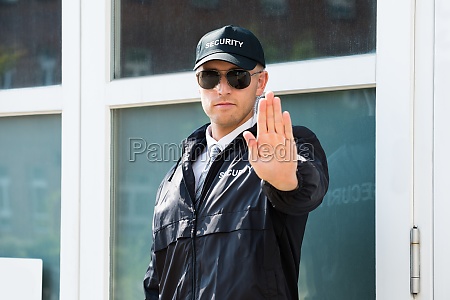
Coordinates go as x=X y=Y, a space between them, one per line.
x=415 y=260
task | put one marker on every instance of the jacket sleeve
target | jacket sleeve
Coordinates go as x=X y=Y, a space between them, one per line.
x=151 y=280
x=312 y=175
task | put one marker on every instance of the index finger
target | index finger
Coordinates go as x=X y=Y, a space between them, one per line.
x=287 y=122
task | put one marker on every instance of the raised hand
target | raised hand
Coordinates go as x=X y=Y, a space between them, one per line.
x=272 y=153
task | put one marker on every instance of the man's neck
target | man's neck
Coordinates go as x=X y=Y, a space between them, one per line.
x=219 y=133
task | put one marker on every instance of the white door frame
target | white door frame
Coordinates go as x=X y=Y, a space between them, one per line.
x=394 y=147
x=441 y=150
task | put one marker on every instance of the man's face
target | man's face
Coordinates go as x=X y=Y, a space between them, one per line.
x=227 y=107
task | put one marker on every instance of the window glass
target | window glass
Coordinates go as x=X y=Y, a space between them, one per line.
x=158 y=37
x=30 y=48
x=338 y=254
x=146 y=144
x=30 y=193
x=338 y=257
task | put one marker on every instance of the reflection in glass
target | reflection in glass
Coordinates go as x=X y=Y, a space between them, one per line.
x=338 y=258
x=30 y=47
x=159 y=37
x=30 y=193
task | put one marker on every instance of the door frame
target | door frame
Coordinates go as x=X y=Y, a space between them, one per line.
x=441 y=150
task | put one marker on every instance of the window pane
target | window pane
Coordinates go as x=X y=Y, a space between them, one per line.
x=338 y=254
x=146 y=144
x=30 y=48
x=30 y=193
x=161 y=36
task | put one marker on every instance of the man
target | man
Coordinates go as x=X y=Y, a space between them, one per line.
x=231 y=226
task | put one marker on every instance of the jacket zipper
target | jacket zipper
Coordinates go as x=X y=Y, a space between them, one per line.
x=194 y=255
x=194 y=229
x=194 y=236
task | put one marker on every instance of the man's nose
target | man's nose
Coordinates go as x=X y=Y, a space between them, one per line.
x=223 y=87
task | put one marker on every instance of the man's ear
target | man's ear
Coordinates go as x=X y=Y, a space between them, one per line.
x=262 y=82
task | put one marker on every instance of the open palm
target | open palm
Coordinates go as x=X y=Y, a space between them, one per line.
x=272 y=153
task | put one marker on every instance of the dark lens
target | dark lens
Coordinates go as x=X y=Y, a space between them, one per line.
x=208 y=79
x=239 y=79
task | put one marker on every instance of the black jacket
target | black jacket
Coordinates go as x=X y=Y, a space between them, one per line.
x=242 y=239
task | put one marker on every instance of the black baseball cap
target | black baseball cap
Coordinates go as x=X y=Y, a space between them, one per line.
x=232 y=44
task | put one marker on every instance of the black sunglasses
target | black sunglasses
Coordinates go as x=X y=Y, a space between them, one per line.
x=238 y=79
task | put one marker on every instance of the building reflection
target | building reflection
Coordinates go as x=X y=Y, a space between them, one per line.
x=30 y=48
x=155 y=34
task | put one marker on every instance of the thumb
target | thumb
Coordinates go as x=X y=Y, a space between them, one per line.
x=252 y=145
